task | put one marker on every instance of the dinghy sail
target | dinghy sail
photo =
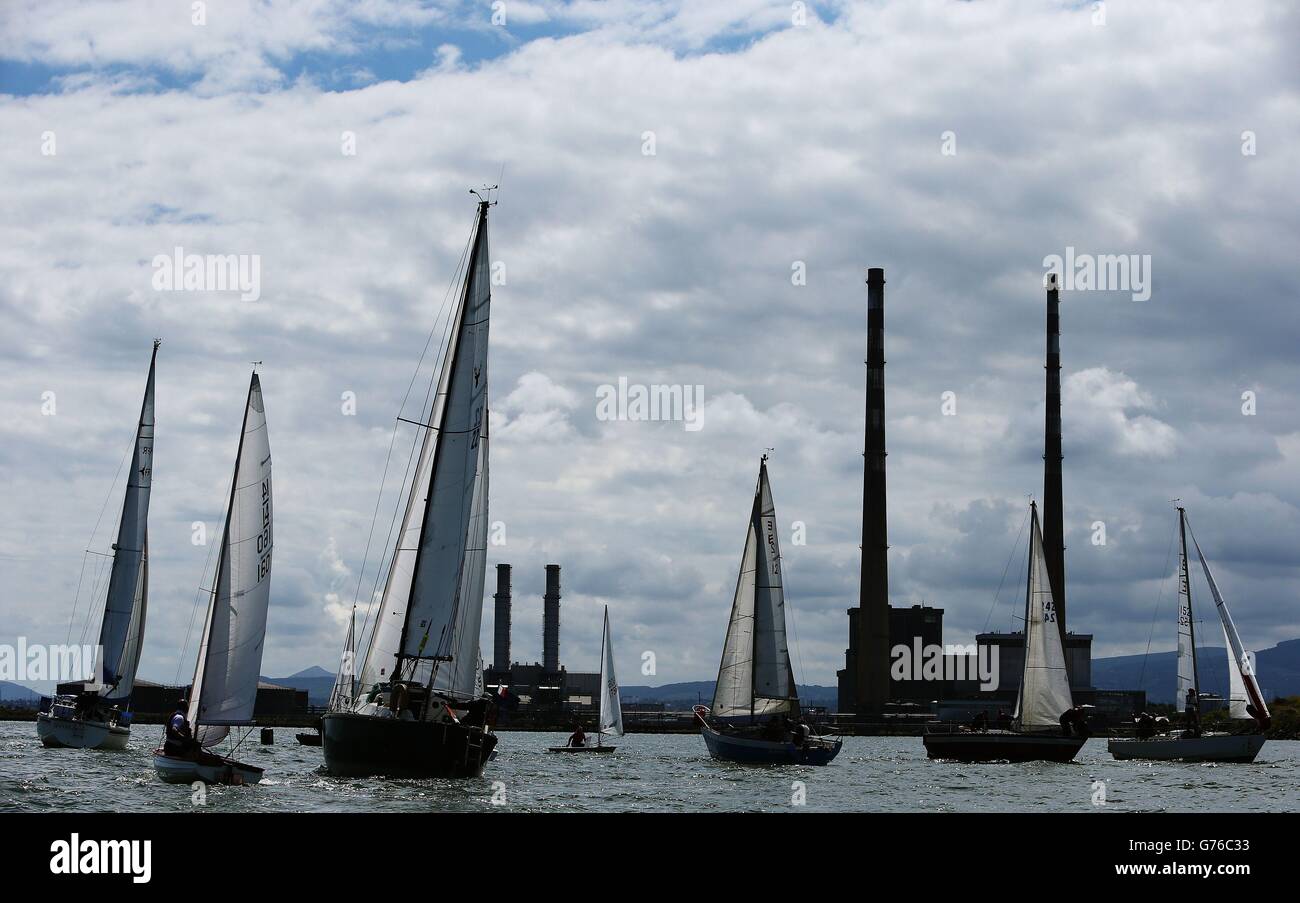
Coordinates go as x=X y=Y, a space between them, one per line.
x=420 y=708
x=611 y=707
x=99 y=721
x=1045 y=684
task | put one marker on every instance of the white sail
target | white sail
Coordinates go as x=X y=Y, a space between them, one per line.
x=1236 y=686
x=121 y=634
x=1238 y=659
x=611 y=708
x=230 y=656
x=432 y=605
x=1186 y=629
x=1045 y=684
x=754 y=677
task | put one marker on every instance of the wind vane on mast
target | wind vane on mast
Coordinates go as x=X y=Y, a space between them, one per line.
x=486 y=196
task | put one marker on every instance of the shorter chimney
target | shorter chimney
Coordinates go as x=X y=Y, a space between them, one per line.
x=551 y=620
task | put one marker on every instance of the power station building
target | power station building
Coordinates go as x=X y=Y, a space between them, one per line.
x=545 y=685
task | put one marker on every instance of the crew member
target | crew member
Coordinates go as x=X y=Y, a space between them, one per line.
x=179 y=740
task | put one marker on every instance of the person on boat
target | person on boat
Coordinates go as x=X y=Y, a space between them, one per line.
x=1004 y=720
x=980 y=722
x=1074 y=723
x=1193 y=711
x=578 y=737
x=1146 y=725
x=179 y=740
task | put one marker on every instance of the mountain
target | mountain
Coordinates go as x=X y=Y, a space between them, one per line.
x=685 y=695
x=315 y=680
x=16 y=694
x=1277 y=669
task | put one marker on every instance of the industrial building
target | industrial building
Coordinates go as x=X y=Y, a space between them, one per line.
x=153 y=699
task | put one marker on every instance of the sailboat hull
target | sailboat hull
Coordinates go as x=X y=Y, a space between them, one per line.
x=205 y=767
x=1206 y=748
x=752 y=751
x=364 y=745
x=73 y=733
x=1001 y=746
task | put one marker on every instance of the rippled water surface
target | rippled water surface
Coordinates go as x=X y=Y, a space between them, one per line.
x=651 y=773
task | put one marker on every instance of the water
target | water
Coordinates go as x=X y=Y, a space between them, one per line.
x=650 y=773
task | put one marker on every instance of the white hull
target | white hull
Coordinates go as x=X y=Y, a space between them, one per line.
x=1207 y=748
x=74 y=733
x=177 y=770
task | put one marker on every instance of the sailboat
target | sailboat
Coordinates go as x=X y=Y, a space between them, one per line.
x=99 y=718
x=420 y=710
x=224 y=690
x=1245 y=703
x=755 y=716
x=1044 y=694
x=611 y=708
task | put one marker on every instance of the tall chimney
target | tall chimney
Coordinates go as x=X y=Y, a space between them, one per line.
x=551 y=620
x=873 y=618
x=501 y=624
x=1053 y=514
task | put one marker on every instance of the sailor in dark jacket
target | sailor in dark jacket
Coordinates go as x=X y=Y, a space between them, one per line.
x=179 y=740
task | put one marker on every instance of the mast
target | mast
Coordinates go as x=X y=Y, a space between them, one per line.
x=600 y=716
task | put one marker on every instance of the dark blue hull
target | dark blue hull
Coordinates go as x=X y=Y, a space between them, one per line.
x=730 y=748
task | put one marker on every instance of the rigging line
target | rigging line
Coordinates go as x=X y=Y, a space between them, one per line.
x=455 y=280
x=1005 y=571
x=1160 y=595
x=93 y=532
x=1024 y=569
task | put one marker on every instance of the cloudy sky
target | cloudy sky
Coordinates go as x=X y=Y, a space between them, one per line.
x=668 y=171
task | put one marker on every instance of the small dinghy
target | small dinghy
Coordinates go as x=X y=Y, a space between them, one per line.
x=1245 y=701
x=755 y=717
x=309 y=739
x=611 y=708
x=230 y=652
x=1044 y=687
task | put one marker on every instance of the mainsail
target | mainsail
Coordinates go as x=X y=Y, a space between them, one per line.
x=122 y=632
x=230 y=654
x=432 y=603
x=611 y=708
x=1045 y=684
x=1239 y=661
x=755 y=677
x=1186 y=626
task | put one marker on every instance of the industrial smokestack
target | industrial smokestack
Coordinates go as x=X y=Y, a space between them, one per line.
x=873 y=618
x=501 y=625
x=1053 y=513
x=551 y=620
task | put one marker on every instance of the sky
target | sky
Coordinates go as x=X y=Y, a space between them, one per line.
x=690 y=195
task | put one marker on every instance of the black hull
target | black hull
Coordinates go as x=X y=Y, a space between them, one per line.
x=364 y=745
x=1001 y=747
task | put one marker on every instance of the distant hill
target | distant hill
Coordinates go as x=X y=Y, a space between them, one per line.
x=16 y=694
x=685 y=695
x=1278 y=671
